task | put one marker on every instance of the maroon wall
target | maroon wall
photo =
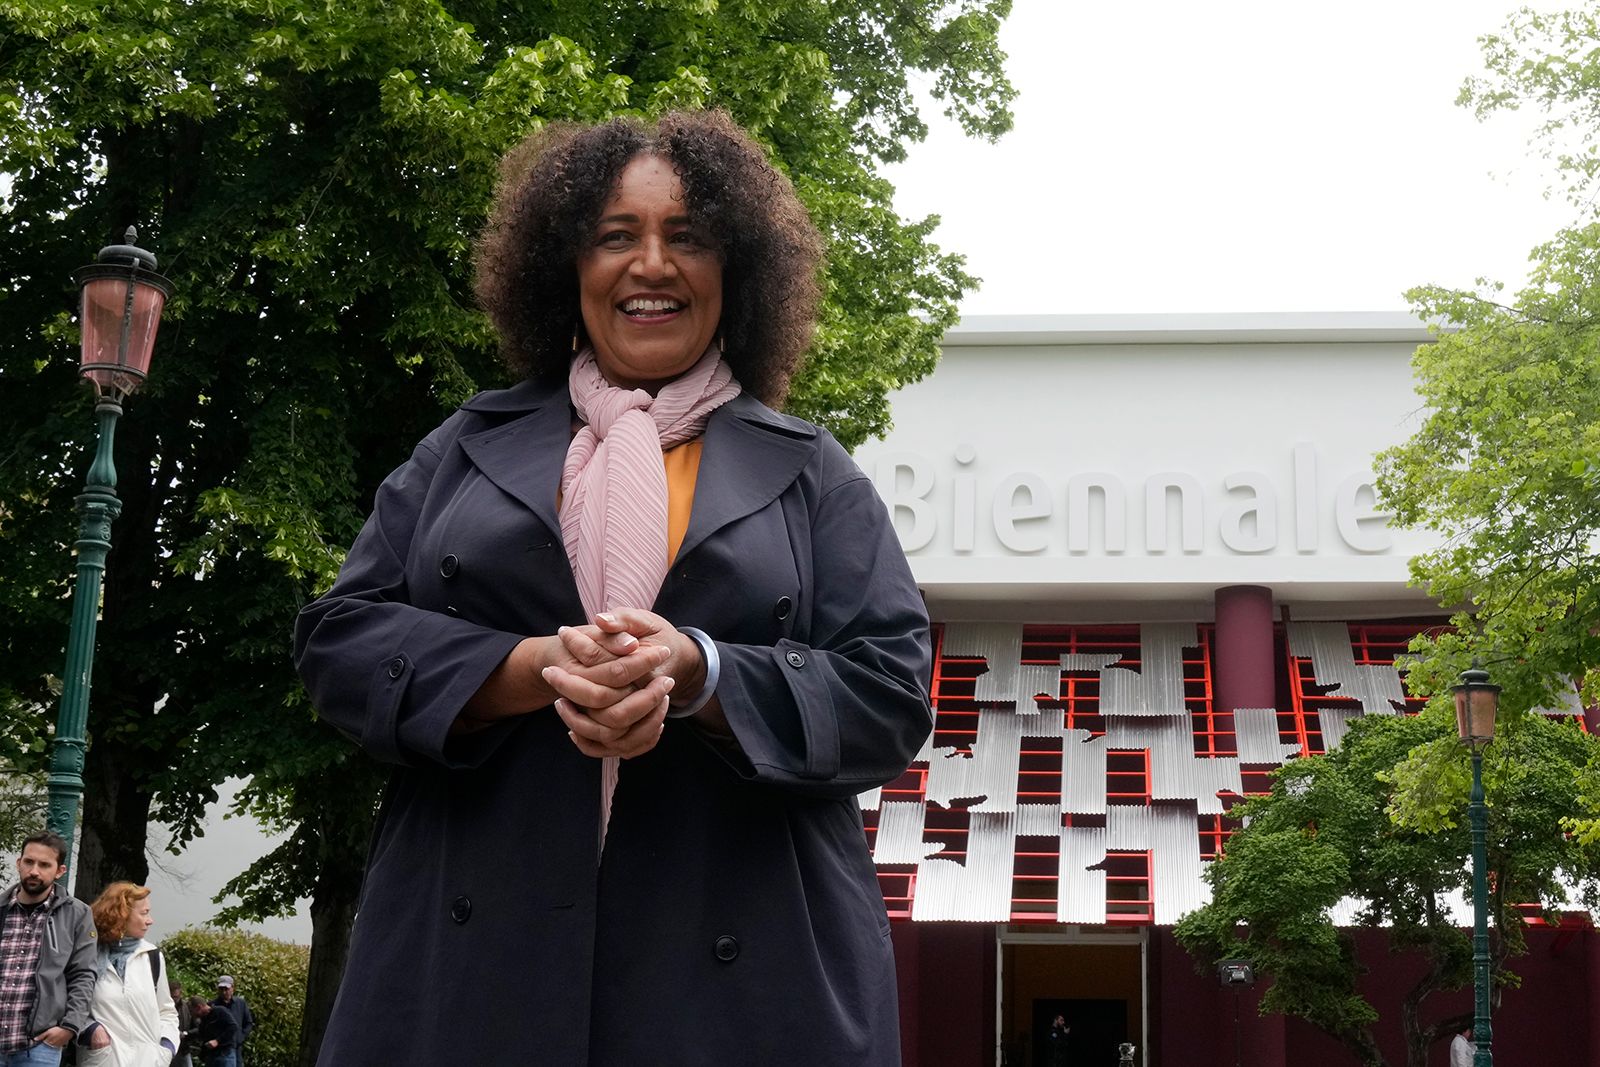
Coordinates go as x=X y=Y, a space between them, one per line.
x=1546 y=1020
x=947 y=983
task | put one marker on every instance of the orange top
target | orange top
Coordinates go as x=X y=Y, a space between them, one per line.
x=683 y=468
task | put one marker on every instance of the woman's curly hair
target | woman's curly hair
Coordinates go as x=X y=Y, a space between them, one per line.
x=112 y=908
x=553 y=187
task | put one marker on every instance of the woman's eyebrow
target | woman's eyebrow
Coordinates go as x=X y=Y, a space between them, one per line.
x=672 y=220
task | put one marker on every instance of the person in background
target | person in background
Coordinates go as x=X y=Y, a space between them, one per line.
x=1462 y=1050
x=185 y=1026
x=1056 y=1042
x=235 y=1006
x=217 y=1037
x=47 y=959
x=135 y=1023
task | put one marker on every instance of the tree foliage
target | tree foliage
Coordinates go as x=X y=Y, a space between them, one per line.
x=311 y=176
x=1505 y=466
x=1327 y=838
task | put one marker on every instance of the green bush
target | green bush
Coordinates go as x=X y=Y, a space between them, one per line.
x=270 y=975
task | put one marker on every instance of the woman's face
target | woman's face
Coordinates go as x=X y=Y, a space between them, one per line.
x=139 y=920
x=650 y=281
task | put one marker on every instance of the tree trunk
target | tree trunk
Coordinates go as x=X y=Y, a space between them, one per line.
x=116 y=813
x=333 y=914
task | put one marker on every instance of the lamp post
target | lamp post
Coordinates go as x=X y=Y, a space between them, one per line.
x=121 y=299
x=1476 y=704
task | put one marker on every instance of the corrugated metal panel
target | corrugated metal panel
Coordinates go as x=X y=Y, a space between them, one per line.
x=1171 y=834
x=988 y=776
x=1081 y=893
x=900 y=834
x=1256 y=733
x=1176 y=773
x=1083 y=773
x=1156 y=688
x=1327 y=645
x=1008 y=680
x=980 y=889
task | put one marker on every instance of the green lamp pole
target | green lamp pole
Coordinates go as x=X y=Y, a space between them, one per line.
x=1476 y=704
x=121 y=299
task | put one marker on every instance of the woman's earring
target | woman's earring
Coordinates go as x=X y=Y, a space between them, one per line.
x=575 y=328
x=721 y=351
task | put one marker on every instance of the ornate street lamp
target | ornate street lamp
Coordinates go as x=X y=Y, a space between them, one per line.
x=1476 y=704
x=121 y=302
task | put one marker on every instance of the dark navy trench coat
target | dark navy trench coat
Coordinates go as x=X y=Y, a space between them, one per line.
x=736 y=918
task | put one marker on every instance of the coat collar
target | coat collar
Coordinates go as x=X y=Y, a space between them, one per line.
x=751 y=454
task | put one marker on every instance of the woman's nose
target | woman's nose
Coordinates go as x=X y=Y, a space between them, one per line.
x=654 y=259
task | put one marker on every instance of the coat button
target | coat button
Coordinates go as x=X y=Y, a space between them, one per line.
x=780 y=610
x=726 y=948
x=452 y=610
x=397 y=667
x=448 y=565
x=460 y=910
x=795 y=659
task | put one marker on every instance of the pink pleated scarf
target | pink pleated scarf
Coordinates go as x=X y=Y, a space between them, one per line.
x=614 y=488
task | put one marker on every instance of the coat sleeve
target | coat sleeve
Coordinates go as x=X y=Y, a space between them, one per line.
x=391 y=676
x=848 y=711
x=83 y=968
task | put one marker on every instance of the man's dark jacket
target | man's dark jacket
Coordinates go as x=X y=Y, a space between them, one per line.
x=220 y=1026
x=241 y=1014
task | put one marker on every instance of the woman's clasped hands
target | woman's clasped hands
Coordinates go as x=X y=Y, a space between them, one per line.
x=615 y=677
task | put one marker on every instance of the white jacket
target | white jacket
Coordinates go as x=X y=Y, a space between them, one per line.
x=137 y=1012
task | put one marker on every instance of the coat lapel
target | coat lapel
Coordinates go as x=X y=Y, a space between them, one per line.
x=751 y=455
x=524 y=457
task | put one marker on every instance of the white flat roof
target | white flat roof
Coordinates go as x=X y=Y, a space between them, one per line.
x=1223 y=327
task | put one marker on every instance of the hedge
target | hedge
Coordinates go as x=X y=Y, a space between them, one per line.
x=270 y=975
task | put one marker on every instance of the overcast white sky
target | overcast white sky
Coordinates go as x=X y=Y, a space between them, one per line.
x=1242 y=155
x=1238 y=155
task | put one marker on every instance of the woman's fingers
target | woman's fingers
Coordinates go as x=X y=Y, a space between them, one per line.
x=592 y=646
x=605 y=683
x=606 y=724
x=626 y=729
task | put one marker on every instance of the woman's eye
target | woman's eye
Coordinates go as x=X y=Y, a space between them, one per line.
x=614 y=237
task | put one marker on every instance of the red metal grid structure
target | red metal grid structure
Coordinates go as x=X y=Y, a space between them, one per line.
x=1128 y=776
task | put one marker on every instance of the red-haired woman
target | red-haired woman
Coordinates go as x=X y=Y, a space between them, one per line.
x=136 y=1023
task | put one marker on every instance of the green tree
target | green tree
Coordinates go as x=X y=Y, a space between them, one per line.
x=1505 y=466
x=1328 y=833
x=312 y=176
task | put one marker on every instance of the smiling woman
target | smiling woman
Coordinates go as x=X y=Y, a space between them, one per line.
x=634 y=642
x=650 y=284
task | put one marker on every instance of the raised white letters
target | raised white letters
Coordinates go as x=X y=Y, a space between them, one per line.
x=942 y=506
x=1022 y=497
x=1249 y=523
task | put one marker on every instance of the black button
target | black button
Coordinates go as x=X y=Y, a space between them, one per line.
x=726 y=948
x=448 y=565
x=781 y=609
x=460 y=910
x=795 y=659
x=397 y=667
x=451 y=610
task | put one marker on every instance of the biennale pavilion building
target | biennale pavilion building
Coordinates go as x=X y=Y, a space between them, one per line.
x=1154 y=558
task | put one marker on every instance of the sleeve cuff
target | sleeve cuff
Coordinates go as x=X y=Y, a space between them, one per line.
x=708 y=652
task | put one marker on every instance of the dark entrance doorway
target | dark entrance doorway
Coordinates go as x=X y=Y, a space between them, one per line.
x=1094 y=980
x=1095 y=1029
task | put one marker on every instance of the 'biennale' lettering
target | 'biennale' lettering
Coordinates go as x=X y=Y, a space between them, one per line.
x=1025 y=509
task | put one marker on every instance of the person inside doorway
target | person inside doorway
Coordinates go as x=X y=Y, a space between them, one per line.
x=1055 y=1044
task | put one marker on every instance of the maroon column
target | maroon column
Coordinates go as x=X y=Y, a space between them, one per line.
x=1243 y=672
